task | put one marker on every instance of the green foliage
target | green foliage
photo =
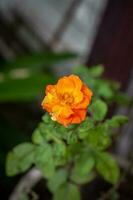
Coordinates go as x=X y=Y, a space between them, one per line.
x=67 y=191
x=98 y=109
x=25 y=77
x=116 y=121
x=123 y=99
x=94 y=72
x=37 y=138
x=72 y=156
x=84 y=128
x=44 y=159
x=99 y=137
x=102 y=88
x=24 y=89
x=37 y=61
x=20 y=159
x=59 y=153
x=107 y=167
x=57 y=180
x=83 y=166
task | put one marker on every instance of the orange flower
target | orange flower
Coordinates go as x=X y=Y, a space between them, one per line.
x=67 y=101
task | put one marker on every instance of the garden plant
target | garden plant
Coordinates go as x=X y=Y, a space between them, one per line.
x=71 y=145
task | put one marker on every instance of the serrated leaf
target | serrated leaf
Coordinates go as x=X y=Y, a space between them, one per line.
x=84 y=164
x=44 y=159
x=98 y=137
x=59 y=151
x=82 y=168
x=37 y=137
x=98 y=110
x=83 y=129
x=46 y=118
x=72 y=150
x=59 y=178
x=44 y=130
x=116 y=121
x=107 y=167
x=67 y=192
x=20 y=159
x=71 y=137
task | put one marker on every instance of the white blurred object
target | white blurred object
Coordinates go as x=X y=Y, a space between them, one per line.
x=44 y=16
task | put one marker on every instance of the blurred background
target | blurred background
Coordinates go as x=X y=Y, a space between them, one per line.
x=41 y=40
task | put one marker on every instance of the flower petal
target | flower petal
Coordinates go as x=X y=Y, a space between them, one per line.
x=67 y=101
x=64 y=111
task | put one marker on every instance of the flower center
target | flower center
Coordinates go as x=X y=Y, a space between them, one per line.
x=67 y=99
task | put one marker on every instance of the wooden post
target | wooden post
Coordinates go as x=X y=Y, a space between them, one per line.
x=113 y=46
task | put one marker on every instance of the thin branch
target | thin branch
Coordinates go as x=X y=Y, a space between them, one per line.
x=26 y=183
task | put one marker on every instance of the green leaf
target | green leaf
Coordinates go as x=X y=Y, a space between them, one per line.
x=37 y=137
x=105 y=92
x=99 y=137
x=101 y=88
x=122 y=99
x=36 y=61
x=107 y=167
x=80 y=70
x=26 y=89
x=72 y=137
x=116 y=121
x=84 y=164
x=72 y=150
x=59 y=149
x=44 y=159
x=85 y=126
x=45 y=131
x=59 y=178
x=59 y=152
x=82 y=168
x=20 y=159
x=83 y=73
x=96 y=71
x=46 y=118
x=67 y=192
x=105 y=89
x=98 y=110
x=51 y=130
x=83 y=179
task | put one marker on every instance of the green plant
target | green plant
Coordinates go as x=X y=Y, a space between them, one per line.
x=23 y=78
x=70 y=157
